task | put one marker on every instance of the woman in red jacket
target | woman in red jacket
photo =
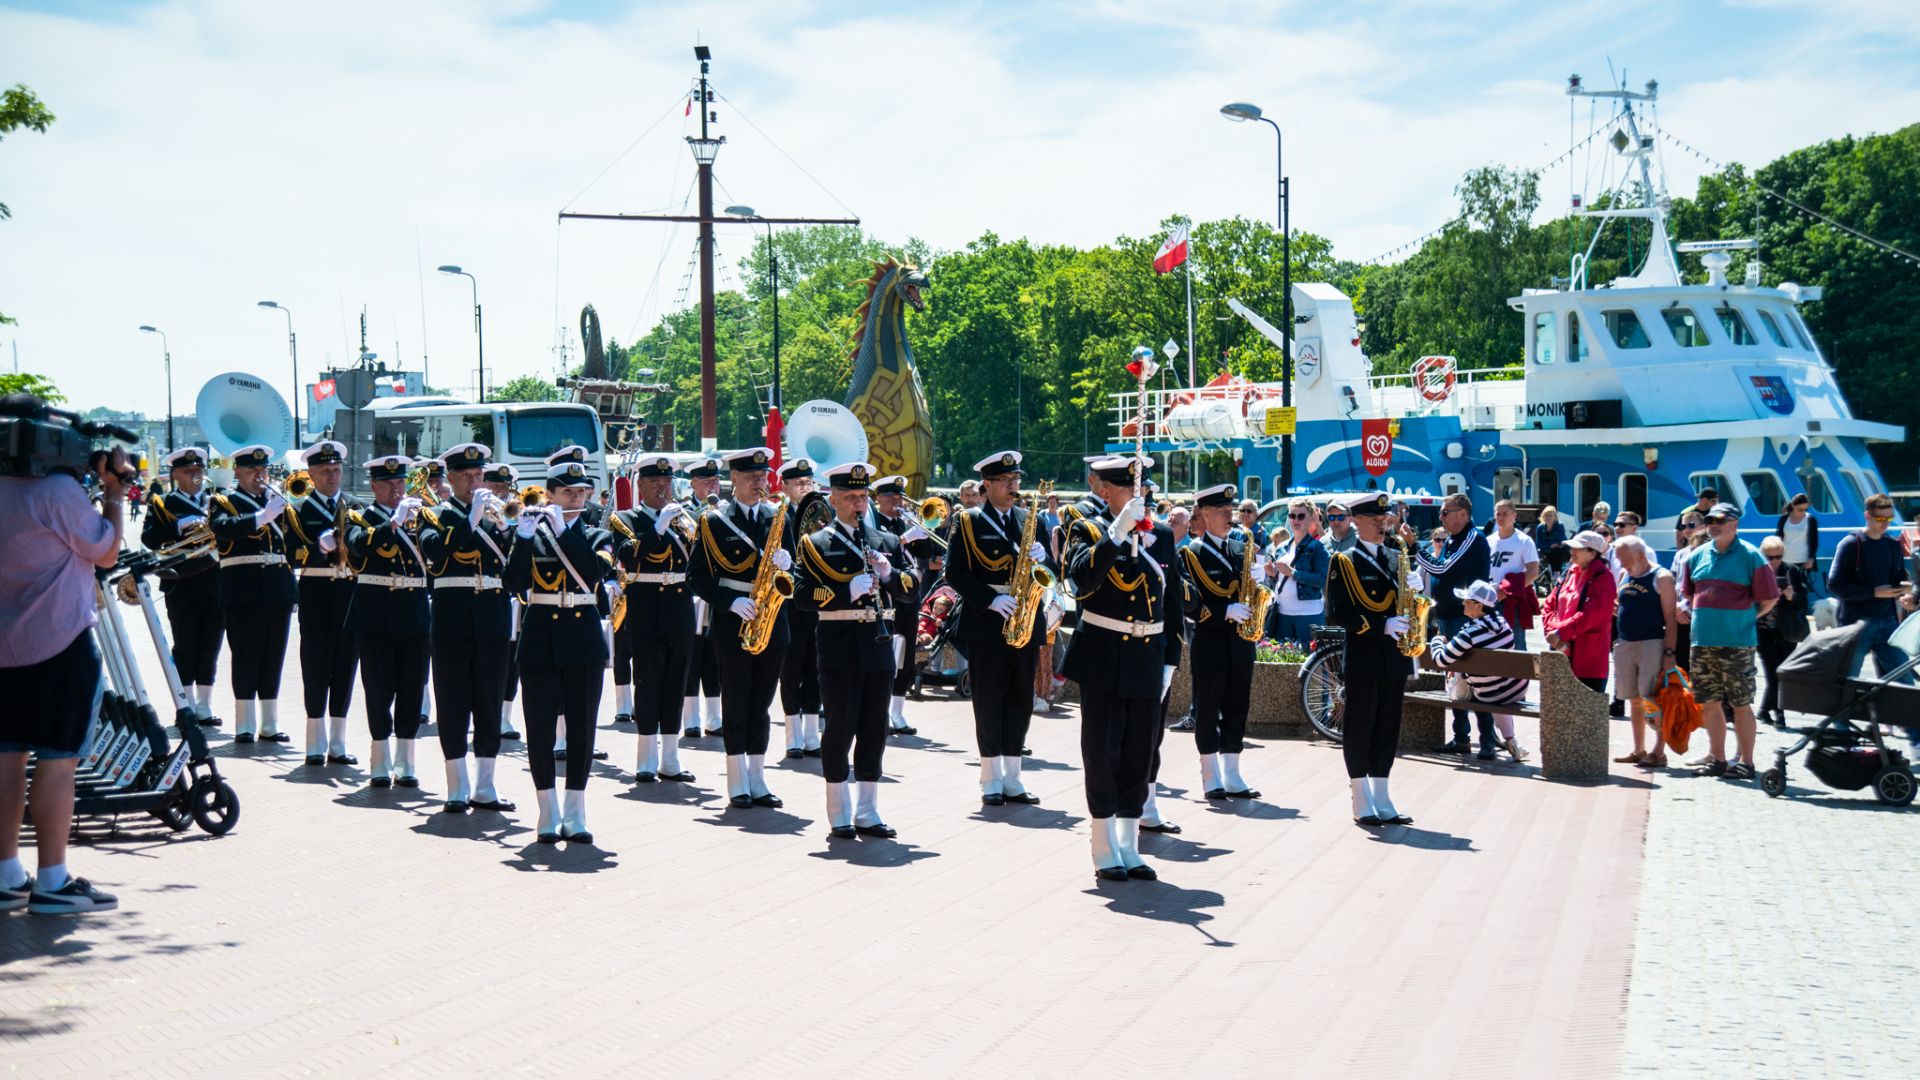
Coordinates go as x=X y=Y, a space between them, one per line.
x=1579 y=616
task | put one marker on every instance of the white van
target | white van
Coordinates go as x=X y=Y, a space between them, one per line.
x=521 y=434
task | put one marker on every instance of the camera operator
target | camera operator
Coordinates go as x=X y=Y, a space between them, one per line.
x=50 y=669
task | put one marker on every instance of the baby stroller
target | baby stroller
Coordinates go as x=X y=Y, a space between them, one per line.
x=1848 y=752
x=937 y=658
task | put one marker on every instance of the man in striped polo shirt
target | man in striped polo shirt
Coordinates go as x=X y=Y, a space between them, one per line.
x=1729 y=586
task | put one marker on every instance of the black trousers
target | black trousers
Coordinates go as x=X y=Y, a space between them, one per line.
x=1773 y=650
x=622 y=657
x=196 y=622
x=856 y=711
x=800 y=674
x=328 y=651
x=467 y=688
x=258 y=638
x=747 y=685
x=906 y=624
x=1116 y=749
x=393 y=674
x=1371 y=736
x=659 y=676
x=1002 y=694
x=703 y=668
x=554 y=693
x=513 y=673
x=1220 y=700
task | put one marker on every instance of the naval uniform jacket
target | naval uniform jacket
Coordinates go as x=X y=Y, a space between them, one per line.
x=1362 y=594
x=254 y=571
x=468 y=564
x=390 y=584
x=1115 y=587
x=921 y=552
x=823 y=573
x=1212 y=567
x=560 y=627
x=194 y=579
x=312 y=516
x=724 y=564
x=659 y=599
x=980 y=560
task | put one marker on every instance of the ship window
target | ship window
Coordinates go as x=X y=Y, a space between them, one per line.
x=1874 y=483
x=1763 y=488
x=1820 y=492
x=1734 y=325
x=1717 y=481
x=1543 y=338
x=1586 y=492
x=1576 y=345
x=1546 y=486
x=1624 y=328
x=1686 y=328
x=1253 y=489
x=1633 y=493
x=1855 y=486
x=1799 y=331
x=1773 y=330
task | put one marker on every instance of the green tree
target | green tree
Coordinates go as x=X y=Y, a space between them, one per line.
x=527 y=388
x=19 y=108
x=27 y=382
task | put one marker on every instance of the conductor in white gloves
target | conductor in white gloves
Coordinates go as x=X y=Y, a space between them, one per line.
x=1362 y=599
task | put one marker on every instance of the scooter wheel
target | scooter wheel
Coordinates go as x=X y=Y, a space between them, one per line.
x=1774 y=783
x=178 y=813
x=216 y=806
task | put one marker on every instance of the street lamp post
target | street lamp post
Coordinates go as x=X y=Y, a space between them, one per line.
x=773 y=267
x=479 y=334
x=293 y=349
x=1239 y=112
x=167 y=352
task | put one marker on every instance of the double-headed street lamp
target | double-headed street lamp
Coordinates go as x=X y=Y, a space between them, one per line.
x=168 y=353
x=478 y=332
x=773 y=263
x=1240 y=112
x=293 y=348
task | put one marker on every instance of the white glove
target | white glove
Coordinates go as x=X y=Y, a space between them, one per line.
x=528 y=523
x=1238 y=612
x=861 y=585
x=664 y=519
x=186 y=523
x=742 y=607
x=1397 y=626
x=329 y=542
x=556 y=517
x=1166 y=678
x=1129 y=516
x=478 y=511
x=882 y=567
x=1003 y=606
x=274 y=508
x=403 y=513
x=1037 y=552
x=782 y=559
x=915 y=533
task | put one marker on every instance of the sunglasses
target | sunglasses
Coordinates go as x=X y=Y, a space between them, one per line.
x=1719 y=521
x=1776 y=558
x=1296 y=517
x=1336 y=517
x=1880 y=517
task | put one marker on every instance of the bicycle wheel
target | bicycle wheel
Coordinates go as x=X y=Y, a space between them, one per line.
x=1323 y=692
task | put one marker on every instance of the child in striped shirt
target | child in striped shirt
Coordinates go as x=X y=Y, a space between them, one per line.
x=1486 y=628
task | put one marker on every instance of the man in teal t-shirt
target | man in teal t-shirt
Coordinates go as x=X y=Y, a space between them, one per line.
x=1729 y=586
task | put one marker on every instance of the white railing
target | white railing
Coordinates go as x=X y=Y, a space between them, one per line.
x=1483 y=398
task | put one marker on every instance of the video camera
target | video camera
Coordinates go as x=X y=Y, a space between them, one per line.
x=37 y=439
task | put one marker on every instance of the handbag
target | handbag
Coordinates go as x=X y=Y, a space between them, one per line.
x=1458 y=688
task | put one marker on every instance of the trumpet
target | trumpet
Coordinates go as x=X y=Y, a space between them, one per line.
x=194 y=543
x=298 y=486
x=419 y=486
x=934 y=510
x=533 y=495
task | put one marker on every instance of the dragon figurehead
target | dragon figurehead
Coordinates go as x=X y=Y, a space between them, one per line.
x=885 y=392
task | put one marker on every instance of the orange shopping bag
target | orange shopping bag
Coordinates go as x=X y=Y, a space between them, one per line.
x=1675 y=711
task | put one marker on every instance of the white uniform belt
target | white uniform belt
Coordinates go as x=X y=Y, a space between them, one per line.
x=253 y=560
x=847 y=615
x=562 y=599
x=393 y=581
x=658 y=579
x=736 y=584
x=326 y=572
x=1121 y=626
x=469 y=581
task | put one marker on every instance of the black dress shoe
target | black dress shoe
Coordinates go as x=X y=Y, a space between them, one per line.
x=278 y=736
x=1111 y=873
x=909 y=730
x=1217 y=793
x=599 y=755
x=1026 y=751
x=1249 y=793
x=316 y=760
x=680 y=777
x=498 y=806
x=793 y=753
x=1368 y=820
x=1143 y=872
x=381 y=782
x=1167 y=827
x=741 y=802
x=623 y=718
x=340 y=759
x=842 y=832
x=425 y=720
x=244 y=737
x=644 y=778
x=548 y=838
x=690 y=733
x=1401 y=819
x=407 y=781
x=993 y=799
x=211 y=721
x=768 y=800
x=560 y=754
x=882 y=830
x=815 y=752
x=581 y=837
x=510 y=734
x=1025 y=798
x=454 y=807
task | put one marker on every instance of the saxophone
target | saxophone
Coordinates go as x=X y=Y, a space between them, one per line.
x=1253 y=594
x=771 y=588
x=1414 y=607
x=1029 y=581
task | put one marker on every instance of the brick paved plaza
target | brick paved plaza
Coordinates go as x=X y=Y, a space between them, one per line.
x=1519 y=928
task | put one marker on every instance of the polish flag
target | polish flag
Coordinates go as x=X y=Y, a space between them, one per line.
x=323 y=389
x=1172 y=253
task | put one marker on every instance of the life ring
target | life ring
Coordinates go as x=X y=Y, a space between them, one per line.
x=1433 y=376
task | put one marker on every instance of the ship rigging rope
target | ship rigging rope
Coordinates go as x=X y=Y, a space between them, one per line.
x=742 y=114
x=636 y=142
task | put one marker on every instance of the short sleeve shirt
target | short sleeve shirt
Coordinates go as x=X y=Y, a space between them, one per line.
x=46 y=566
x=1511 y=554
x=1724 y=589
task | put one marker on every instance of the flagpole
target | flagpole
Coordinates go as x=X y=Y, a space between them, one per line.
x=1190 y=367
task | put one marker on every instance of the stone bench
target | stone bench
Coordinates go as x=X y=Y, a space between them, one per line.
x=1573 y=718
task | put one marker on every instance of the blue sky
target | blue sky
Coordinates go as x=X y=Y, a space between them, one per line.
x=212 y=154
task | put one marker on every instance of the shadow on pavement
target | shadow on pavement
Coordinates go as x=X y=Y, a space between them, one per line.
x=870 y=851
x=760 y=820
x=1027 y=817
x=1426 y=839
x=563 y=858
x=1162 y=902
x=1251 y=808
x=1175 y=849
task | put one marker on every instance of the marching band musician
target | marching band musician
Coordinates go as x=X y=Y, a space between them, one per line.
x=1363 y=598
x=845 y=576
x=800 y=672
x=733 y=537
x=327 y=654
x=917 y=550
x=591 y=515
x=256 y=592
x=437 y=485
x=1123 y=656
x=702 y=706
x=658 y=626
x=980 y=560
x=559 y=562
x=472 y=625
x=500 y=479
x=194 y=615
x=1222 y=659
x=390 y=617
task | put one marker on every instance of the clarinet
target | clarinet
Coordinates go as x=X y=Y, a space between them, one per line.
x=882 y=626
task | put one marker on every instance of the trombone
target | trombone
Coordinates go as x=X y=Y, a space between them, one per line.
x=934 y=510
